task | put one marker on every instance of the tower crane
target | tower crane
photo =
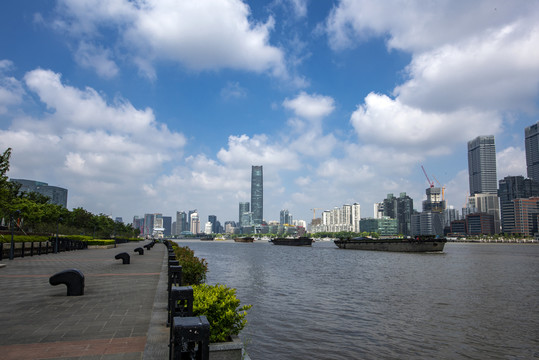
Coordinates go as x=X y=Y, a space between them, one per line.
x=431 y=183
x=443 y=187
x=314 y=212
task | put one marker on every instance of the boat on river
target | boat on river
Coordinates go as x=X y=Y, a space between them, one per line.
x=299 y=241
x=245 y=239
x=417 y=244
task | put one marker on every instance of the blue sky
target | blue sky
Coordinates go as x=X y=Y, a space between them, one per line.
x=159 y=106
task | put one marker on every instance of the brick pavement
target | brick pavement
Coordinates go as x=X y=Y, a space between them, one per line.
x=120 y=316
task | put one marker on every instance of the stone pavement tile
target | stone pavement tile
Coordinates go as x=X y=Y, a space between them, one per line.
x=117 y=304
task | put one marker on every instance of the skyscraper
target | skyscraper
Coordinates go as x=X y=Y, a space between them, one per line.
x=257 y=195
x=482 y=165
x=244 y=208
x=532 y=151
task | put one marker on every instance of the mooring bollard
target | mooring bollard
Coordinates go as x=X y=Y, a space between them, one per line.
x=190 y=338
x=72 y=278
x=140 y=250
x=124 y=256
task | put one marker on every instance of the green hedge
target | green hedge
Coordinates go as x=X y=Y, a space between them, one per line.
x=193 y=269
x=24 y=238
x=99 y=242
x=222 y=309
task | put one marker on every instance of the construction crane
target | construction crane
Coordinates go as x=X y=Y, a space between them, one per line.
x=431 y=183
x=443 y=187
x=314 y=212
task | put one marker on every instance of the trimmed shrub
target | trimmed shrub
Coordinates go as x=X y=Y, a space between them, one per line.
x=222 y=308
x=193 y=269
x=100 y=242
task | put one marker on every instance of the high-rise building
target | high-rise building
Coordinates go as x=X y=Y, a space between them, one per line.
x=182 y=224
x=405 y=209
x=244 y=208
x=195 y=223
x=482 y=165
x=56 y=195
x=213 y=220
x=434 y=200
x=531 y=134
x=167 y=225
x=390 y=206
x=511 y=188
x=284 y=217
x=257 y=195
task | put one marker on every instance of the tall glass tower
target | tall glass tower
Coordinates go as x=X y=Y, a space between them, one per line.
x=531 y=134
x=482 y=165
x=257 y=195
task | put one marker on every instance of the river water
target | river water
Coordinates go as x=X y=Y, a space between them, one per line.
x=473 y=301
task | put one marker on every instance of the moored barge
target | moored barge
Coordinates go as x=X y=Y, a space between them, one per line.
x=417 y=244
x=299 y=241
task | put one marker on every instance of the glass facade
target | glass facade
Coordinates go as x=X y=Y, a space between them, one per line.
x=531 y=134
x=482 y=165
x=257 y=194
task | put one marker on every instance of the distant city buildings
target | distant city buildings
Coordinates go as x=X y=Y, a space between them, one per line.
x=56 y=195
x=339 y=219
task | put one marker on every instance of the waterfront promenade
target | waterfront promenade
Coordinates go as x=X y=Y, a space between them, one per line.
x=122 y=314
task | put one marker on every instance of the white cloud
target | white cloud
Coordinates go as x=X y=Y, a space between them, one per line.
x=11 y=91
x=102 y=152
x=97 y=58
x=415 y=26
x=388 y=122
x=311 y=107
x=245 y=151
x=233 y=90
x=511 y=162
x=498 y=71
x=208 y=35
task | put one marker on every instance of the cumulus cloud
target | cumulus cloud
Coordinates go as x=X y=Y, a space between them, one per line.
x=388 y=122
x=246 y=151
x=498 y=71
x=413 y=26
x=511 y=162
x=100 y=150
x=11 y=90
x=310 y=107
x=96 y=58
x=208 y=35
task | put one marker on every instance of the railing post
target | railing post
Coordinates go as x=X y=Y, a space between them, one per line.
x=190 y=338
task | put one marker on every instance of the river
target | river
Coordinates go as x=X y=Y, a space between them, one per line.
x=473 y=301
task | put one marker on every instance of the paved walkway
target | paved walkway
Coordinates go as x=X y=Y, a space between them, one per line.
x=122 y=314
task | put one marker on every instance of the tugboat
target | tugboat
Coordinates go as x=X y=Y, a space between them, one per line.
x=299 y=241
x=417 y=244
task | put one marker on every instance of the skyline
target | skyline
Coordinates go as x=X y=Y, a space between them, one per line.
x=138 y=109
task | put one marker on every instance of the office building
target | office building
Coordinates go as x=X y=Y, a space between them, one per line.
x=56 y=195
x=509 y=189
x=531 y=134
x=167 y=225
x=182 y=224
x=526 y=213
x=384 y=226
x=480 y=223
x=285 y=217
x=244 y=208
x=195 y=222
x=405 y=210
x=257 y=194
x=482 y=165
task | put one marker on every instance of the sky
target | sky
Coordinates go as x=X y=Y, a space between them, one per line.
x=162 y=106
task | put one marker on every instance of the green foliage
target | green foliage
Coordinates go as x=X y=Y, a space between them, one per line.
x=193 y=269
x=24 y=238
x=222 y=308
x=100 y=242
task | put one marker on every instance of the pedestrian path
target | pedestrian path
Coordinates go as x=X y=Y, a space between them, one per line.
x=120 y=316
